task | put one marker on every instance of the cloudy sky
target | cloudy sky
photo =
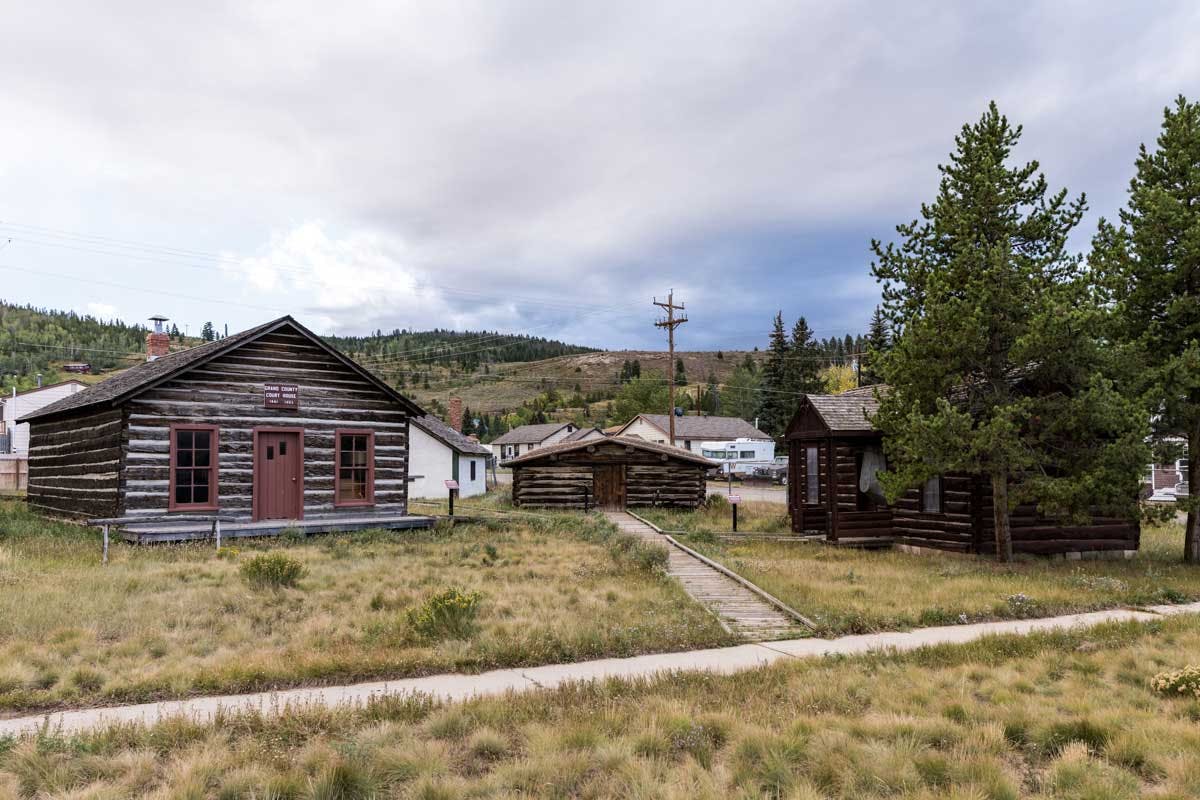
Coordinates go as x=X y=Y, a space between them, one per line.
x=533 y=167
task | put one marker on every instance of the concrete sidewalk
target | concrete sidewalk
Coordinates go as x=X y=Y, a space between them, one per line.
x=457 y=687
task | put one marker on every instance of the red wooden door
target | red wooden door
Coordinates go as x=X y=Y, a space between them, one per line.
x=279 y=476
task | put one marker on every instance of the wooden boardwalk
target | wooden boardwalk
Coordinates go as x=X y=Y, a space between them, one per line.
x=739 y=608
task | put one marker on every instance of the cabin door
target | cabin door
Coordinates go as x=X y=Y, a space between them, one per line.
x=608 y=486
x=278 y=475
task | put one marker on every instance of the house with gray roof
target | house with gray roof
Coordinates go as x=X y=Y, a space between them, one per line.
x=690 y=431
x=520 y=441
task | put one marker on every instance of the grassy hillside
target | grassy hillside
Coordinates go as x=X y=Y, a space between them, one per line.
x=506 y=386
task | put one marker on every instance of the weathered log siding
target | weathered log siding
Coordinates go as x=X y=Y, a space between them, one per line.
x=228 y=392
x=1036 y=534
x=552 y=485
x=951 y=529
x=678 y=484
x=75 y=464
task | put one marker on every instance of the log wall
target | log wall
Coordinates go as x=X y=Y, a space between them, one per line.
x=228 y=392
x=75 y=464
x=951 y=529
x=1039 y=535
x=552 y=485
x=673 y=484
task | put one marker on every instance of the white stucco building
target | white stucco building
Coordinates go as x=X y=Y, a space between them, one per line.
x=520 y=441
x=21 y=403
x=438 y=453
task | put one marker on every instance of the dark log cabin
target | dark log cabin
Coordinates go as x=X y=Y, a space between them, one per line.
x=610 y=473
x=833 y=454
x=269 y=428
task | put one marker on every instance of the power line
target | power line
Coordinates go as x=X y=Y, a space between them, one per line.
x=670 y=322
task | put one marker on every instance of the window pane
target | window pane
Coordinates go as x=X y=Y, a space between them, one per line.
x=360 y=458
x=183 y=439
x=813 y=483
x=183 y=493
x=183 y=458
x=200 y=477
x=346 y=458
x=200 y=457
x=201 y=440
x=283 y=448
x=200 y=493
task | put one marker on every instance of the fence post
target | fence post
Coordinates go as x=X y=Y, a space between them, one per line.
x=104 y=552
x=586 y=496
x=217 y=529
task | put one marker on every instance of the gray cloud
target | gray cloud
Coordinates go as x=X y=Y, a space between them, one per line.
x=493 y=163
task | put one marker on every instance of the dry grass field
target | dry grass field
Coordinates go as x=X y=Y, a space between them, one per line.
x=177 y=620
x=852 y=591
x=1070 y=716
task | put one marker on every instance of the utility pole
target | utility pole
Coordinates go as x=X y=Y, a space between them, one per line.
x=671 y=322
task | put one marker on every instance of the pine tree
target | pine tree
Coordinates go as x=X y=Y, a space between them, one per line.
x=208 y=333
x=804 y=363
x=997 y=368
x=776 y=400
x=879 y=339
x=174 y=331
x=680 y=373
x=1151 y=264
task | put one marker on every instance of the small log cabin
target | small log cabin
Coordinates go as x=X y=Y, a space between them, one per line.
x=269 y=428
x=610 y=473
x=833 y=455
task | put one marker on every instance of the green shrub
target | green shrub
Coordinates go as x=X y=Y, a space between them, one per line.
x=449 y=614
x=1181 y=682
x=273 y=570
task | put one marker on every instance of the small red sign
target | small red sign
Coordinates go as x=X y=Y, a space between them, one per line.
x=734 y=499
x=451 y=484
x=281 y=395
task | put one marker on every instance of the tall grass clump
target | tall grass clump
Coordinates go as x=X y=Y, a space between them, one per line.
x=449 y=614
x=272 y=571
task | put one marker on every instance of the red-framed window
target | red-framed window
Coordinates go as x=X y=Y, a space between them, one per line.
x=193 y=485
x=354 y=471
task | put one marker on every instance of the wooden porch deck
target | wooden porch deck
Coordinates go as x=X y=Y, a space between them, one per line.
x=183 y=530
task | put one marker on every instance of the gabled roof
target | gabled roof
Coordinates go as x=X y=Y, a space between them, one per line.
x=585 y=433
x=531 y=434
x=625 y=441
x=135 y=380
x=701 y=427
x=450 y=437
x=848 y=412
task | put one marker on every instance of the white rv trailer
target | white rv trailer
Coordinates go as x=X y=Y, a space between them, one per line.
x=741 y=456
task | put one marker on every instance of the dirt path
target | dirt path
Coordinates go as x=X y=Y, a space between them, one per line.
x=450 y=688
x=741 y=610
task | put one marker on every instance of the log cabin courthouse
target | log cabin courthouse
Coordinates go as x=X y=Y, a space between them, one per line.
x=270 y=428
x=834 y=453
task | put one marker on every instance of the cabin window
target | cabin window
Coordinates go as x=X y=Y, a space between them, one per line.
x=812 y=488
x=354 y=481
x=931 y=495
x=472 y=469
x=193 y=484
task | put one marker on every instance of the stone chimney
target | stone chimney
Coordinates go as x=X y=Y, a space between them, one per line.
x=158 y=342
x=456 y=414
